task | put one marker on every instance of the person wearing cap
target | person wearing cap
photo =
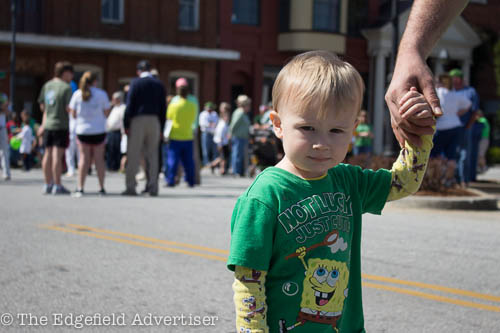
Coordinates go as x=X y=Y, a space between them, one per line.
x=143 y=122
x=54 y=101
x=4 y=140
x=208 y=121
x=239 y=129
x=181 y=113
x=191 y=97
x=467 y=162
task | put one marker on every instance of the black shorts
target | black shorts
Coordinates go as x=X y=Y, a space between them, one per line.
x=93 y=139
x=57 y=138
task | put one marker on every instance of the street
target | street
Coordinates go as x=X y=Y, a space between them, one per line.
x=128 y=264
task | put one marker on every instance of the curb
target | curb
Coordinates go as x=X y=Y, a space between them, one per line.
x=481 y=202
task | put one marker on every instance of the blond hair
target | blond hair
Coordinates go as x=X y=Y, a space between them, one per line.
x=319 y=78
x=88 y=78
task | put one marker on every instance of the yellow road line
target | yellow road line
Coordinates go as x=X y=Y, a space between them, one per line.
x=433 y=287
x=148 y=239
x=131 y=242
x=101 y=234
x=433 y=297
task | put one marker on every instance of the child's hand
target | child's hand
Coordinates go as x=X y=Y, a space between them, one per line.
x=414 y=105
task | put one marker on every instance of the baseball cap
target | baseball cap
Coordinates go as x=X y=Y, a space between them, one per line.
x=209 y=105
x=181 y=82
x=456 y=72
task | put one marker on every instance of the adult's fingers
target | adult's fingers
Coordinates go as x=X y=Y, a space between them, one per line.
x=429 y=91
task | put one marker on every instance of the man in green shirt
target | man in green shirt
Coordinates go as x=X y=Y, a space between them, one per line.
x=54 y=100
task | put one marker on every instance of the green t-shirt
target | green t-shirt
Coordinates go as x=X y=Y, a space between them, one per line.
x=55 y=95
x=485 y=133
x=280 y=213
x=363 y=141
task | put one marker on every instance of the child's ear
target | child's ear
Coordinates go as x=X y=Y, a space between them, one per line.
x=275 y=119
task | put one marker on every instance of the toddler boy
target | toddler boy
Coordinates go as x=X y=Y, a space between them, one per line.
x=296 y=231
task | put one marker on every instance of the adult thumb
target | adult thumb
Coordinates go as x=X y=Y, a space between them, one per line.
x=430 y=95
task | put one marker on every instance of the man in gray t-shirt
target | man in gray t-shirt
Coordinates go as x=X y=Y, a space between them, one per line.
x=54 y=99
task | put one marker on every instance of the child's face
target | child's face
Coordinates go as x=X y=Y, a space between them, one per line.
x=313 y=145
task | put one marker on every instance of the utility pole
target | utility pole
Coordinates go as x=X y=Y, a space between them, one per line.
x=13 y=9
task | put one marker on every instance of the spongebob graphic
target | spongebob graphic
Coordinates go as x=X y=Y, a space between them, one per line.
x=324 y=291
x=250 y=282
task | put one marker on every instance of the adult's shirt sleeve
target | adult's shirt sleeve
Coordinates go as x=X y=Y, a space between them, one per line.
x=373 y=189
x=464 y=102
x=130 y=109
x=105 y=101
x=252 y=233
x=474 y=100
x=73 y=101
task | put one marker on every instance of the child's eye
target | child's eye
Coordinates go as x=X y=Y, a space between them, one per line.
x=307 y=128
x=336 y=130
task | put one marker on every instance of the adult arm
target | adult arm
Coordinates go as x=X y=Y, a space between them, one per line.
x=427 y=22
x=130 y=108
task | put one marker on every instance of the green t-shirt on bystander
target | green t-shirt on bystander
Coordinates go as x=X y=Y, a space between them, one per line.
x=485 y=133
x=281 y=214
x=364 y=141
x=55 y=95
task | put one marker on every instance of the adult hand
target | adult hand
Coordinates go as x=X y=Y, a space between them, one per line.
x=411 y=71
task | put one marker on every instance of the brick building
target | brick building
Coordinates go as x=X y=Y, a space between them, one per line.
x=228 y=47
x=110 y=37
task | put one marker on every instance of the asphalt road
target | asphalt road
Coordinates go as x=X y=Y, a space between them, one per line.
x=160 y=261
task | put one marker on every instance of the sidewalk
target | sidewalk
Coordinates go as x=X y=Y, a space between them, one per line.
x=487 y=189
x=489 y=182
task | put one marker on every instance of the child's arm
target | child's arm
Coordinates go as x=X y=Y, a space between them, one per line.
x=409 y=169
x=250 y=300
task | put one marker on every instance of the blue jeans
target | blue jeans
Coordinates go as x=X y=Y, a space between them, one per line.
x=238 y=155
x=464 y=163
x=208 y=147
x=180 y=151
x=445 y=143
x=113 y=154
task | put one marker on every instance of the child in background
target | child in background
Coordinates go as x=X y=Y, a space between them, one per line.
x=221 y=139
x=364 y=135
x=296 y=231
x=28 y=141
x=483 y=143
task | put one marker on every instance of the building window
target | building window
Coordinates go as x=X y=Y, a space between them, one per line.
x=326 y=15
x=246 y=12
x=79 y=69
x=112 y=11
x=188 y=14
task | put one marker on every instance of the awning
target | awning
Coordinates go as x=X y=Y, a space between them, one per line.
x=119 y=46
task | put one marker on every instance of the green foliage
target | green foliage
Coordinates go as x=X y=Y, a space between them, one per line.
x=493 y=155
